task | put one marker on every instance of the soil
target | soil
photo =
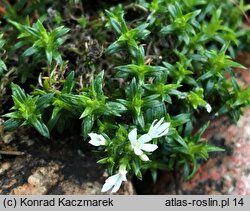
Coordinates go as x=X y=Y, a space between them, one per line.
x=57 y=166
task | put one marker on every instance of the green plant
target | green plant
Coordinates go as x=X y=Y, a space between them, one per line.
x=166 y=68
x=28 y=111
x=93 y=104
x=2 y=64
x=43 y=43
x=23 y=8
x=127 y=38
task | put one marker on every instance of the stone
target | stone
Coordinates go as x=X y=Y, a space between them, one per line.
x=4 y=166
x=45 y=176
x=54 y=167
x=70 y=187
x=28 y=189
x=40 y=181
x=226 y=173
x=9 y=137
x=10 y=184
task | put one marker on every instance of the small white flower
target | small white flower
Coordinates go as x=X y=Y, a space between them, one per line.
x=144 y=157
x=208 y=107
x=139 y=145
x=114 y=181
x=97 y=140
x=158 y=129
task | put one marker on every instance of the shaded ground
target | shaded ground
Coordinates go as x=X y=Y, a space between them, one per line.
x=56 y=166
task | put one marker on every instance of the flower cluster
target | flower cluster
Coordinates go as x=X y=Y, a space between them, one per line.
x=138 y=145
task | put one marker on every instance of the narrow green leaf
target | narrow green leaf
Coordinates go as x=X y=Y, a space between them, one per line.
x=14 y=115
x=44 y=101
x=69 y=83
x=97 y=84
x=49 y=56
x=103 y=160
x=87 y=111
x=12 y=124
x=56 y=114
x=115 y=47
x=18 y=92
x=180 y=119
x=212 y=148
x=199 y=133
x=87 y=125
x=40 y=127
x=30 y=51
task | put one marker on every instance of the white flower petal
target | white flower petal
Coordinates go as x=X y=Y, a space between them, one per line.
x=123 y=174
x=112 y=179
x=152 y=125
x=117 y=184
x=94 y=136
x=144 y=157
x=144 y=138
x=110 y=182
x=208 y=107
x=164 y=126
x=115 y=180
x=158 y=123
x=149 y=147
x=97 y=139
x=138 y=151
x=159 y=129
x=163 y=129
x=95 y=142
x=132 y=136
x=106 y=187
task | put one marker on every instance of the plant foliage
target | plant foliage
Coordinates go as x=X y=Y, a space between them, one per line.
x=168 y=61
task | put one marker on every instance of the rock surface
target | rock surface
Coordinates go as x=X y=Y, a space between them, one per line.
x=229 y=172
x=52 y=167
x=226 y=173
